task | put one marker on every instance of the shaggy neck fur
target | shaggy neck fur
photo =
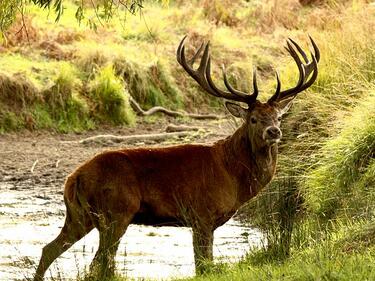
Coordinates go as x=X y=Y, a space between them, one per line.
x=253 y=168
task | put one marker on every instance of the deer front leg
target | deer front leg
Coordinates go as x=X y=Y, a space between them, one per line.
x=203 y=238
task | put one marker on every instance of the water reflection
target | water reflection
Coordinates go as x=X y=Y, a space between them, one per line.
x=28 y=221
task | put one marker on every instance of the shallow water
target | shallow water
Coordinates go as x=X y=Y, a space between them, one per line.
x=30 y=218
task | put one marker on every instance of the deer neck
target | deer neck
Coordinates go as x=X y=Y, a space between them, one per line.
x=251 y=168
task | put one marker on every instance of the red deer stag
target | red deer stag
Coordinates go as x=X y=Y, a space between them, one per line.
x=195 y=185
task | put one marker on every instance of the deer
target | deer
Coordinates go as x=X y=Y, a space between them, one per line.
x=200 y=186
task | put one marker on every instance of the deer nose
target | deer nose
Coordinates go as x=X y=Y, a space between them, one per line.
x=273 y=132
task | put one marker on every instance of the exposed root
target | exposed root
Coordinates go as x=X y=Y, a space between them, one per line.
x=139 y=111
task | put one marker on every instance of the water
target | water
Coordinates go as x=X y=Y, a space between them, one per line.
x=30 y=220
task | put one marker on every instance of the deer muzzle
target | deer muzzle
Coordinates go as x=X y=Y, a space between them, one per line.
x=272 y=135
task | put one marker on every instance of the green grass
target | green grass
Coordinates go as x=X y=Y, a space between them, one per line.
x=112 y=102
x=349 y=157
x=320 y=264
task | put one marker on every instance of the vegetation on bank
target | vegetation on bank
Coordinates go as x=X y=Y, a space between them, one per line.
x=318 y=213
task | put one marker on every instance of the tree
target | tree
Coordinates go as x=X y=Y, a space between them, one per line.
x=104 y=9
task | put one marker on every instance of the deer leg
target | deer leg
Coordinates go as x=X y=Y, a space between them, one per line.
x=103 y=265
x=203 y=238
x=70 y=233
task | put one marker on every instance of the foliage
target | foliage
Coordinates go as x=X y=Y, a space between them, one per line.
x=8 y=10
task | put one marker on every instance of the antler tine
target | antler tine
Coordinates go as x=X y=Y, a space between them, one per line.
x=224 y=94
x=309 y=65
x=192 y=60
x=301 y=71
x=255 y=85
x=278 y=86
x=231 y=89
x=316 y=49
x=203 y=74
x=314 y=56
x=276 y=95
x=314 y=67
x=179 y=49
x=305 y=69
x=299 y=50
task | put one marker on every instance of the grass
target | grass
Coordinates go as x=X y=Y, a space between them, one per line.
x=322 y=264
x=349 y=156
x=111 y=97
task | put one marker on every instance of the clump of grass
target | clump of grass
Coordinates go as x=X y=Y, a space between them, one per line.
x=63 y=103
x=151 y=84
x=42 y=117
x=111 y=98
x=64 y=85
x=17 y=94
x=349 y=157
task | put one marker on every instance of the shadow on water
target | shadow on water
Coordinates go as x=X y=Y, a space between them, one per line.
x=31 y=217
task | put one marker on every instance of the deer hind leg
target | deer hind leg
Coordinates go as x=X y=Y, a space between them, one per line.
x=73 y=230
x=103 y=265
x=203 y=237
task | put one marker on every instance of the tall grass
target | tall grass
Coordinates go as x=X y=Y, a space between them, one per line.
x=349 y=157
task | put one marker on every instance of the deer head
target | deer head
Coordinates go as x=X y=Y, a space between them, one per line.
x=261 y=120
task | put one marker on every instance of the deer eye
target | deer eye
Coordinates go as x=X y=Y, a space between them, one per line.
x=253 y=120
x=279 y=119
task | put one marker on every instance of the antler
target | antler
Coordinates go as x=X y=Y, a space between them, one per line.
x=203 y=75
x=305 y=69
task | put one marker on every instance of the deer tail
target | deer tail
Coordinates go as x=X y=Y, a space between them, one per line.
x=75 y=200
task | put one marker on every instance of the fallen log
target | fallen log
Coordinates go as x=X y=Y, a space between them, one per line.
x=181 y=128
x=102 y=139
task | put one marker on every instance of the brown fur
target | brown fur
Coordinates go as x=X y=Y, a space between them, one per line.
x=200 y=186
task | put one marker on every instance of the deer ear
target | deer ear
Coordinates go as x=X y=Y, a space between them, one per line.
x=236 y=110
x=285 y=104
